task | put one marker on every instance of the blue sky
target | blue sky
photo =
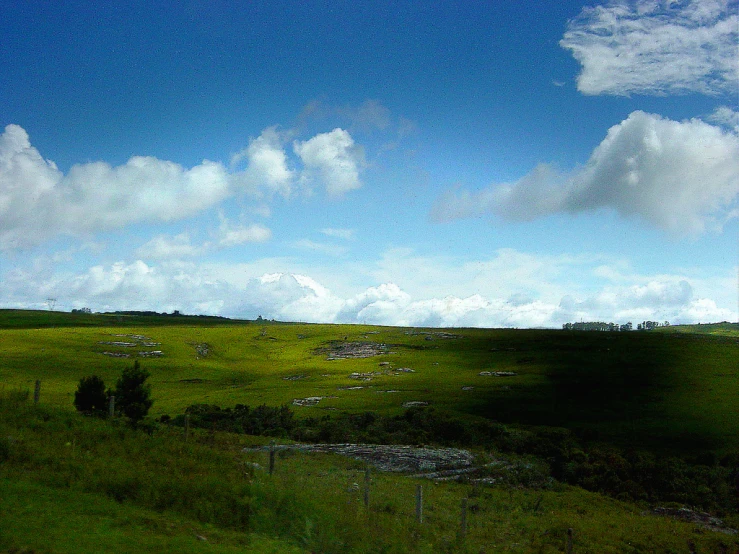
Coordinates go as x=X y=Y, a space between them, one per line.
x=403 y=163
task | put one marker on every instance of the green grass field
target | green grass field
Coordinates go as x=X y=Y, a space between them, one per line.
x=64 y=476
x=668 y=389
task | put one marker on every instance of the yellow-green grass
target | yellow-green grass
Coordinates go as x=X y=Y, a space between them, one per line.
x=658 y=389
x=69 y=483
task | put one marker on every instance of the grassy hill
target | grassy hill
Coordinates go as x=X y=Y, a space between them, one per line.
x=620 y=396
x=675 y=390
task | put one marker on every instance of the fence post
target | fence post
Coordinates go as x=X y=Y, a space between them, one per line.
x=37 y=392
x=111 y=406
x=367 y=481
x=271 y=457
x=187 y=427
x=463 y=520
x=568 y=549
x=419 y=504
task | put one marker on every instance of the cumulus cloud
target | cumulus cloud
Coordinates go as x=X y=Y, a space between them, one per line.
x=38 y=201
x=289 y=297
x=654 y=47
x=681 y=177
x=332 y=158
x=267 y=165
x=657 y=298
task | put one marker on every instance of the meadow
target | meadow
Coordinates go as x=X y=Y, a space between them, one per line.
x=671 y=393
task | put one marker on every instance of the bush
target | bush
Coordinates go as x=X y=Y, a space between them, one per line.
x=90 y=397
x=132 y=394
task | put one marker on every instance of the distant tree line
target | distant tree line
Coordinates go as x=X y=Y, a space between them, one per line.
x=603 y=326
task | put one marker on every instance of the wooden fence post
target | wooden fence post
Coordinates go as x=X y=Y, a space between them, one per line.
x=463 y=520
x=271 y=457
x=111 y=406
x=37 y=392
x=419 y=504
x=367 y=481
x=568 y=549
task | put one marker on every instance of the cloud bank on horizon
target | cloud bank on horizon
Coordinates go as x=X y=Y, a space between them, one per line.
x=346 y=215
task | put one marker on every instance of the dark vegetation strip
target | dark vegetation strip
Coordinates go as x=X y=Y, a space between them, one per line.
x=37 y=319
x=700 y=480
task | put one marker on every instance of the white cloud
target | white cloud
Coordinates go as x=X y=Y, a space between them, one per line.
x=344 y=234
x=37 y=201
x=267 y=165
x=658 y=298
x=163 y=247
x=328 y=249
x=230 y=235
x=510 y=288
x=654 y=47
x=334 y=159
x=288 y=297
x=681 y=177
x=726 y=116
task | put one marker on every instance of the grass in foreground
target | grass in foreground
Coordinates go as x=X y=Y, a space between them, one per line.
x=113 y=488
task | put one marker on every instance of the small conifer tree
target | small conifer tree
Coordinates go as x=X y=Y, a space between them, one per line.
x=132 y=393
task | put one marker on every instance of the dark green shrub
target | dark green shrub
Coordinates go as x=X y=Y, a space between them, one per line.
x=90 y=396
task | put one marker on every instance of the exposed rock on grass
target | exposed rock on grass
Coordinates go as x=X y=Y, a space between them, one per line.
x=367 y=376
x=702 y=519
x=137 y=341
x=295 y=377
x=498 y=373
x=415 y=404
x=116 y=354
x=202 y=348
x=310 y=401
x=432 y=335
x=391 y=458
x=339 y=350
